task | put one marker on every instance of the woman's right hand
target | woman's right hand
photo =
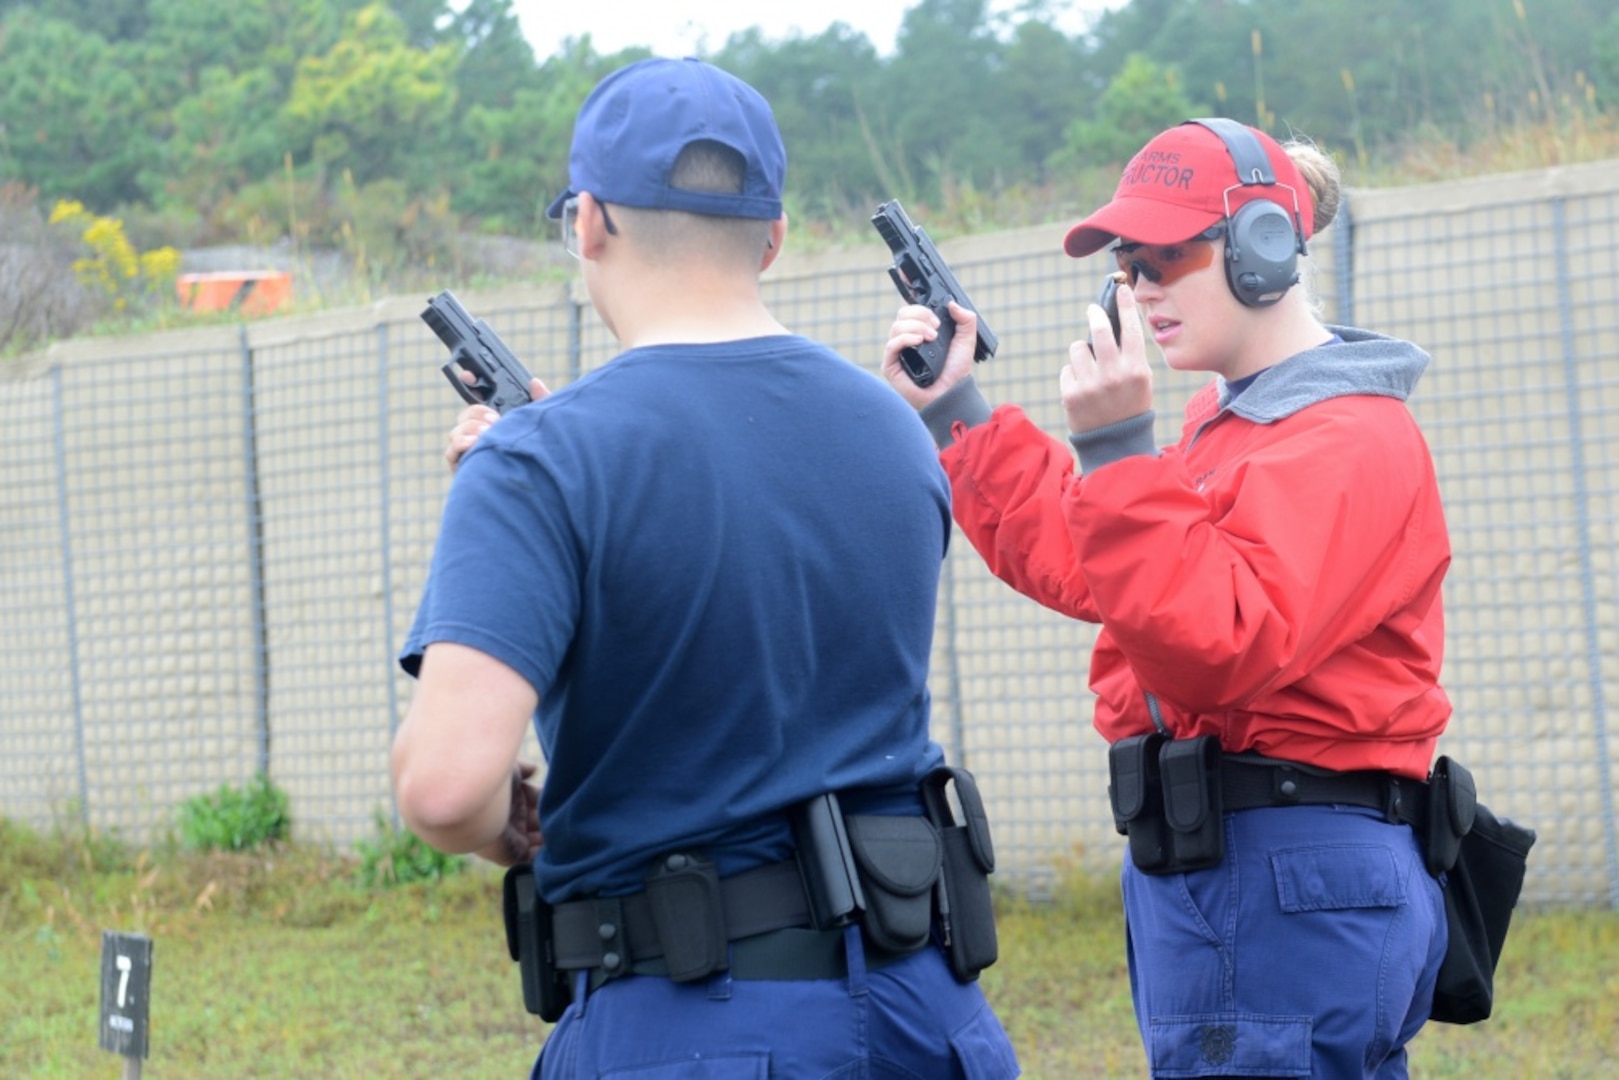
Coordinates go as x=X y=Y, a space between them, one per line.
x=1106 y=380
x=916 y=325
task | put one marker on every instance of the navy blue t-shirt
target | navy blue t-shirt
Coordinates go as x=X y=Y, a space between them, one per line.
x=717 y=565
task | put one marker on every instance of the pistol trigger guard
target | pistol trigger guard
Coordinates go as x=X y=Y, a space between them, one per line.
x=452 y=373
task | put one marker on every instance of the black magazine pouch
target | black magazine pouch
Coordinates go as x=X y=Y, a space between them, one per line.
x=1190 y=769
x=546 y=992
x=1136 y=792
x=965 y=906
x=899 y=861
x=1481 y=890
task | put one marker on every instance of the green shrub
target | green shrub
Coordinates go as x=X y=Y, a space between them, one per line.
x=400 y=857
x=236 y=819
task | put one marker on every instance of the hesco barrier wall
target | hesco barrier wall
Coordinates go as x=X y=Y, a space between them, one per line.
x=211 y=542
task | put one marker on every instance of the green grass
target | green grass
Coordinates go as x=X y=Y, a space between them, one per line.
x=281 y=964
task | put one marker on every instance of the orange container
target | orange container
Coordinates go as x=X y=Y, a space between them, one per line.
x=251 y=292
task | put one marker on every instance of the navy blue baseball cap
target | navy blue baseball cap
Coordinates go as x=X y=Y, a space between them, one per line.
x=636 y=122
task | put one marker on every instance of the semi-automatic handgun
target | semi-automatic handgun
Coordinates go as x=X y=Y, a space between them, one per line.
x=922 y=277
x=499 y=380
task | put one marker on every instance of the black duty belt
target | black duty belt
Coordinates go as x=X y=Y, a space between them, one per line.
x=1248 y=781
x=905 y=881
x=614 y=933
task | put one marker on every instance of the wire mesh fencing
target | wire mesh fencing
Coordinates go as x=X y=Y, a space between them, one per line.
x=212 y=542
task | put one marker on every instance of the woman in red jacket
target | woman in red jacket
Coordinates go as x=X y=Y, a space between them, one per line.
x=1268 y=589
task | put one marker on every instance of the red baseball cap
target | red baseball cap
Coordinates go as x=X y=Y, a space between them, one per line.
x=1177 y=185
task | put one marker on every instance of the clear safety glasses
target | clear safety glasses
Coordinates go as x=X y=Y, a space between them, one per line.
x=570 y=216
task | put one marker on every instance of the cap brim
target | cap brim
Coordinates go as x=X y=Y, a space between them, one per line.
x=1144 y=221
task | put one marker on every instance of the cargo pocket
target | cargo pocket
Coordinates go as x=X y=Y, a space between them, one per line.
x=754 y=1066
x=983 y=1049
x=1229 y=1044
x=1337 y=876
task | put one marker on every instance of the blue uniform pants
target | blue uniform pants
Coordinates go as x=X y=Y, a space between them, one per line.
x=908 y=1020
x=1310 y=951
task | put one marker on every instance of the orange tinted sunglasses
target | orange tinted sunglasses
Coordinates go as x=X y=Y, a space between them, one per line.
x=1165 y=264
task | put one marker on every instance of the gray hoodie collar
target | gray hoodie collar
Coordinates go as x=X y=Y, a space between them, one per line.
x=1363 y=363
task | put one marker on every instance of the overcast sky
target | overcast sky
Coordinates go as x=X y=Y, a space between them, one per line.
x=682 y=27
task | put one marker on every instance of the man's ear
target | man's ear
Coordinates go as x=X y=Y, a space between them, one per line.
x=592 y=226
x=778 y=236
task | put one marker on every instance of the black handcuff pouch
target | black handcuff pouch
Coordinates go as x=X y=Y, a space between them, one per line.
x=898 y=859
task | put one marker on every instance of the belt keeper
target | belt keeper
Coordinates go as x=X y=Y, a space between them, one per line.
x=615 y=959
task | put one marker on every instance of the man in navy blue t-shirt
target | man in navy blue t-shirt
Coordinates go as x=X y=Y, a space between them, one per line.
x=706 y=572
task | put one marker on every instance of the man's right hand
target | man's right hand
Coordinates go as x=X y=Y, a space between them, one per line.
x=474 y=420
x=521 y=839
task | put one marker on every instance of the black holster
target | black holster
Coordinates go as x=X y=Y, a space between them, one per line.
x=546 y=992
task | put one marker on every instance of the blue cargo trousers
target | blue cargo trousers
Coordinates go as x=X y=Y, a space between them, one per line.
x=1310 y=951
x=908 y=1020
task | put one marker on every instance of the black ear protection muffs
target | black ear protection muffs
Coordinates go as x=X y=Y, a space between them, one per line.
x=1263 y=239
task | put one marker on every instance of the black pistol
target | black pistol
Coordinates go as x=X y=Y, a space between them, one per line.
x=500 y=381
x=922 y=277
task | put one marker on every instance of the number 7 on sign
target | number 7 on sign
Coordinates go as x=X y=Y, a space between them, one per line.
x=124 y=964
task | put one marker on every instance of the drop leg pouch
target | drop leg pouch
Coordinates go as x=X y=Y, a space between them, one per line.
x=1481 y=890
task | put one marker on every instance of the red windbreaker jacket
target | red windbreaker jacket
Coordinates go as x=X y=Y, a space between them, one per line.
x=1273 y=579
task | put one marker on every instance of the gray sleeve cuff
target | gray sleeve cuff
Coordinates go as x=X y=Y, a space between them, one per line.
x=1105 y=445
x=963 y=402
